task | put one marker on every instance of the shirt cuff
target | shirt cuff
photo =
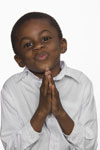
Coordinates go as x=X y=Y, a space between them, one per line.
x=77 y=134
x=28 y=135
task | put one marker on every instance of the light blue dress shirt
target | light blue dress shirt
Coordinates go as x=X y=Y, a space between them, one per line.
x=20 y=99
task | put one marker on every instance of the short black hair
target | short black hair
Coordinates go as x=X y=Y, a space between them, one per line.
x=29 y=16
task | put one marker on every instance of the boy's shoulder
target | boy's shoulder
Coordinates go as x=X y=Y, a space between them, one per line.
x=14 y=79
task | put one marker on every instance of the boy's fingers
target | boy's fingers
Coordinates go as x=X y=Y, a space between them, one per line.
x=51 y=81
x=50 y=78
x=46 y=69
x=49 y=89
x=53 y=90
x=44 y=85
x=48 y=72
x=47 y=83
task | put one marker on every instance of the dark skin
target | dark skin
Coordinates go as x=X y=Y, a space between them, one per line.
x=39 y=49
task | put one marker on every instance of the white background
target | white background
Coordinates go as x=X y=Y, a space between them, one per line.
x=80 y=23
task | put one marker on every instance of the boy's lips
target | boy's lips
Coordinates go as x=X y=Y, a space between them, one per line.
x=41 y=56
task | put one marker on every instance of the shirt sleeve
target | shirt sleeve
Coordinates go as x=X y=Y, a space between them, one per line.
x=14 y=135
x=84 y=134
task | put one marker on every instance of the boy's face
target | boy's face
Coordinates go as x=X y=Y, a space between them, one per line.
x=39 y=47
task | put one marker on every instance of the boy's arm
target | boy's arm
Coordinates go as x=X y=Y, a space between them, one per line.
x=15 y=135
x=66 y=123
x=84 y=134
x=81 y=135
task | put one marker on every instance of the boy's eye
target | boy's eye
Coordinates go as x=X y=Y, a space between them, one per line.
x=45 y=39
x=28 y=45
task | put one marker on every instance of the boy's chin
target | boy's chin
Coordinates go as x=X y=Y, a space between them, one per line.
x=40 y=70
x=44 y=67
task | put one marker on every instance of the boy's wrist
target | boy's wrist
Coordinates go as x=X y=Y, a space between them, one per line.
x=38 y=120
x=42 y=113
x=60 y=114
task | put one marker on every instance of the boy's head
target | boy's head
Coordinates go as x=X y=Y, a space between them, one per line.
x=37 y=42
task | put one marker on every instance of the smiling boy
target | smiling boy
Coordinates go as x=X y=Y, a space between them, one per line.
x=48 y=106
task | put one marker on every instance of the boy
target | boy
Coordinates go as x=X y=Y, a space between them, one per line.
x=48 y=106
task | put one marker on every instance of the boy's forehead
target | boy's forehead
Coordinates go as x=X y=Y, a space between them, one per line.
x=36 y=22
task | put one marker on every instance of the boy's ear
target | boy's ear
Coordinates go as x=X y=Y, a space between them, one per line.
x=19 y=61
x=63 y=45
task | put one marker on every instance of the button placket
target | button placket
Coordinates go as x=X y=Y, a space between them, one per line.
x=54 y=142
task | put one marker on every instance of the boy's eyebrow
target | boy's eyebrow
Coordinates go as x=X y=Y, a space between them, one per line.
x=26 y=38
x=45 y=30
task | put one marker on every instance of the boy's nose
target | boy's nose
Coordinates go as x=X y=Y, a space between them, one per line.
x=38 y=46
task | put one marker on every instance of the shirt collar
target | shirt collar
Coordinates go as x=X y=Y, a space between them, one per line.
x=65 y=71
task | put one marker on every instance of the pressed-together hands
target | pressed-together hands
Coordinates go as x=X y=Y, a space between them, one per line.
x=49 y=95
x=50 y=104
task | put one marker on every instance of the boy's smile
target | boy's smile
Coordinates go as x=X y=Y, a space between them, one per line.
x=39 y=47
